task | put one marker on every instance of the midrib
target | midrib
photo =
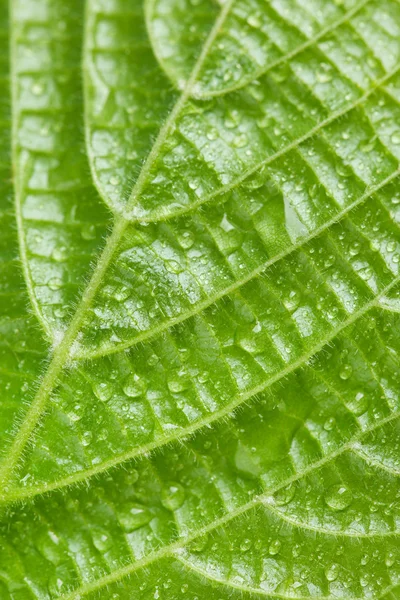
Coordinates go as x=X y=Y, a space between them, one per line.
x=62 y=352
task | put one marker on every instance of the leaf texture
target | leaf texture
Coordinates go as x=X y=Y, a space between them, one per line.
x=199 y=298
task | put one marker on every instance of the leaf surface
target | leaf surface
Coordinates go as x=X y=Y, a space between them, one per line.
x=199 y=297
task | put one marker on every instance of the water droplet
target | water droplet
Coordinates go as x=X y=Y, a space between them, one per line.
x=354 y=248
x=359 y=404
x=274 y=547
x=390 y=559
x=324 y=75
x=134 y=386
x=338 y=497
x=292 y=301
x=329 y=261
x=55 y=283
x=285 y=495
x=395 y=137
x=212 y=134
x=245 y=545
x=330 y=424
x=332 y=572
x=87 y=438
x=134 y=517
x=177 y=384
x=37 y=89
x=254 y=20
x=240 y=141
x=186 y=239
x=391 y=246
x=102 y=391
x=60 y=254
x=88 y=232
x=346 y=372
x=199 y=544
x=172 y=496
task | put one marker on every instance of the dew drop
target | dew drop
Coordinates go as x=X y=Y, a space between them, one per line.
x=87 y=438
x=285 y=495
x=245 y=545
x=134 y=386
x=102 y=391
x=330 y=424
x=177 y=384
x=172 y=496
x=332 y=572
x=274 y=547
x=346 y=372
x=359 y=404
x=186 y=239
x=338 y=497
x=395 y=138
x=390 y=559
x=37 y=89
x=60 y=254
x=88 y=232
x=55 y=283
x=135 y=517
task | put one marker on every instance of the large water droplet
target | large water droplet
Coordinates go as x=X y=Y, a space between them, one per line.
x=338 y=497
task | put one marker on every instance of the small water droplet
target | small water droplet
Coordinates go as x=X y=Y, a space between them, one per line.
x=134 y=386
x=60 y=254
x=274 y=547
x=332 y=572
x=285 y=495
x=346 y=372
x=172 y=496
x=245 y=545
x=177 y=384
x=37 y=89
x=102 y=391
x=88 y=232
x=330 y=424
x=134 y=517
x=395 y=137
x=186 y=239
x=240 y=141
x=87 y=438
x=390 y=559
x=55 y=283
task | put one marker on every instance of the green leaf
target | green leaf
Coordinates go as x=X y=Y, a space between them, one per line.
x=199 y=299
